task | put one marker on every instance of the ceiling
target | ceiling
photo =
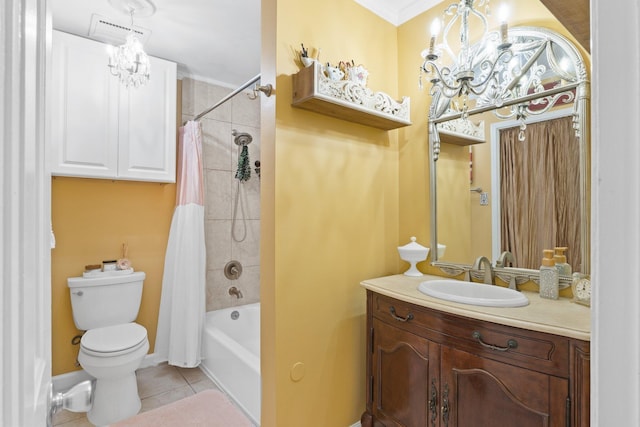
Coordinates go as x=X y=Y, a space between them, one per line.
x=575 y=16
x=213 y=40
x=398 y=11
x=219 y=40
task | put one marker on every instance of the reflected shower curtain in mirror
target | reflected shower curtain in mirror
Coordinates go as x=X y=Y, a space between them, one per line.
x=182 y=304
x=540 y=191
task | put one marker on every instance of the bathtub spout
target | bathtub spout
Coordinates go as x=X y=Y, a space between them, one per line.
x=235 y=291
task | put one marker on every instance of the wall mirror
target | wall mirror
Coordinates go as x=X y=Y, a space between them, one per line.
x=528 y=90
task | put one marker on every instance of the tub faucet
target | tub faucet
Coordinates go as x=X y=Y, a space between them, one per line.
x=488 y=270
x=235 y=291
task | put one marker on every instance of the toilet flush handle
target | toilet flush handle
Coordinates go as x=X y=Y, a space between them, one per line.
x=79 y=293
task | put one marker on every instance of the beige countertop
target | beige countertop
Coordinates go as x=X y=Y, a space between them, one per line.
x=559 y=317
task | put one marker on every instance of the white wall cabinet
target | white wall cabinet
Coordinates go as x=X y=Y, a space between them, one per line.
x=101 y=129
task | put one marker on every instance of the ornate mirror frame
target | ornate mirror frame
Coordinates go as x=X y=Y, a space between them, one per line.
x=539 y=50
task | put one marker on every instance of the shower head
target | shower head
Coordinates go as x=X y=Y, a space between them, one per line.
x=241 y=138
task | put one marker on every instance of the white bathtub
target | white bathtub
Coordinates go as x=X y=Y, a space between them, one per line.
x=232 y=355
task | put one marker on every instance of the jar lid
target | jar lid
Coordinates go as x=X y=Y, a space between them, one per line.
x=413 y=245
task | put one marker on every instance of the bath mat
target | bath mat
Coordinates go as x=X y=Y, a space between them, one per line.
x=209 y=408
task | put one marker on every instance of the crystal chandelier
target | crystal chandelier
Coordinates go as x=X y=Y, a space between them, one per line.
x=473 y=71
x=128 y=62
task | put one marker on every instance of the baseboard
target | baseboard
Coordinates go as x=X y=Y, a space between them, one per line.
x=356 y=424
x=64 y=382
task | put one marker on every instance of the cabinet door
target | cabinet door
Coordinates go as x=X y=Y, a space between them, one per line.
x=83 y=109
x=405 y=378
x=479 y=392
x=147 y=149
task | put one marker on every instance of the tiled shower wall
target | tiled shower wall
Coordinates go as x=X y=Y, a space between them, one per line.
x=220 y=164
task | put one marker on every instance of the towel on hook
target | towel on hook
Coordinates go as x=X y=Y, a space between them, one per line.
x=244 y=168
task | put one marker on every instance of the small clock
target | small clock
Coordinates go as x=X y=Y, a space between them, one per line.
x=581 y=287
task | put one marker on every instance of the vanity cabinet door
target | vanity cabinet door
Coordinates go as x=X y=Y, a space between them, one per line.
x=405 y=374
x=480 y=392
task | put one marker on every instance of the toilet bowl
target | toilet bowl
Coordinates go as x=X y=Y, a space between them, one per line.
x=111 y=355
x=105 y=305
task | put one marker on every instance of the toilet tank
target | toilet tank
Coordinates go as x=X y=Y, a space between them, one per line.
x=110 y=298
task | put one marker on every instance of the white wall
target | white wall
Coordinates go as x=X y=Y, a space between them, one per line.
x=615 y=245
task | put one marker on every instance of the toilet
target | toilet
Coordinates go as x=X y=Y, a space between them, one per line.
x=105 y=305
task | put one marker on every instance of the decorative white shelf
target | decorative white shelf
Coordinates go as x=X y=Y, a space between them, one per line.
x=347 y=100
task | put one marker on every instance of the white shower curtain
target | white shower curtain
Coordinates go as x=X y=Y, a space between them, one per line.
x=182 y=304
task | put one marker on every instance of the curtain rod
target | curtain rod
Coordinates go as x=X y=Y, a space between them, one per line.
x=228 y=97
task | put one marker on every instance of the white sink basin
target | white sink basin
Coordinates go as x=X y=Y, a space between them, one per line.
x=473 y=293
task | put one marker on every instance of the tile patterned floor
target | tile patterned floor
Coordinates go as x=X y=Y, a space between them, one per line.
x=157 y=386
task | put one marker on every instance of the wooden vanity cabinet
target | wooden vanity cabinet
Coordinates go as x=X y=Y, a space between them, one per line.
x=428 y=368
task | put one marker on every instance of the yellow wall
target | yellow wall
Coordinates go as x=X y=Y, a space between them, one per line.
x=92 y=218
x=337 y=198
x=333 y=222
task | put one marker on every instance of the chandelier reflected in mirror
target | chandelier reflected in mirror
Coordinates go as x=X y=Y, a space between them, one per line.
x=129 y=62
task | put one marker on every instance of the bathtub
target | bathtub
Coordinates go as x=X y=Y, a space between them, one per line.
x=231 y=350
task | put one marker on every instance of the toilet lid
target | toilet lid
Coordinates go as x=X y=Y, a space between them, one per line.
x=115 y=338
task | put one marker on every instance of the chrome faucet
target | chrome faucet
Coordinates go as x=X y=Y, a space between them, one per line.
x=505 y=258
x=235 y=291
x=488 y=270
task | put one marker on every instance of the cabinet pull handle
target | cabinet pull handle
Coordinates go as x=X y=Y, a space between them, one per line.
x=445 y=405
x=510 y=344
x=433 y=402
x=400 y=318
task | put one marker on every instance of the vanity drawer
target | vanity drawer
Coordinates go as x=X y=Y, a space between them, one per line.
x=520 y=347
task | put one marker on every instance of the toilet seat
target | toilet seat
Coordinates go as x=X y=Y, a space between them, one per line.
x=113 y=340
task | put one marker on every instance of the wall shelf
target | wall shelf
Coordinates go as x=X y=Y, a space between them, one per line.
x=347 y=100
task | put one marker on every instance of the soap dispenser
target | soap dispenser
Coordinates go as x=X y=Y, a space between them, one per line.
x=560 y=258
x=549 y=286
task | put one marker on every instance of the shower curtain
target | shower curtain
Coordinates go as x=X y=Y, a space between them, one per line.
x=182 y=304
x=540 y=191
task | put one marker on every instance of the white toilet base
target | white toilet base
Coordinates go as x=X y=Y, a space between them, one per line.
x=114 y=400
x=116 y=392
